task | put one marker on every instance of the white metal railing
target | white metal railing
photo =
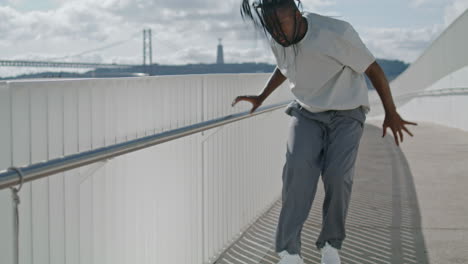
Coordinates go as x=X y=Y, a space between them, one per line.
x=14 y=175
x=444 y=106
x=182 y=201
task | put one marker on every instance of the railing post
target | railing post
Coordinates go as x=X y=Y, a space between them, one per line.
x=16 y=201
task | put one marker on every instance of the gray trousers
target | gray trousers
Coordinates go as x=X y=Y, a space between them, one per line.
x=326 y=144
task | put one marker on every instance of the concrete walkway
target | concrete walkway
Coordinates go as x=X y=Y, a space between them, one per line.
x=409 y=204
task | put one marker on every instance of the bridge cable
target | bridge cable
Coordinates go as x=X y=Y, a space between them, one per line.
x=111 y=45
x=16 y=201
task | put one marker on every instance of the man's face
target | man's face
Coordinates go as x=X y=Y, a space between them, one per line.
x=285 y=23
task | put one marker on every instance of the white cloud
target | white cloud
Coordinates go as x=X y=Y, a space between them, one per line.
x=70 y=22
x=454 y=10
x=313 y=4
x=405 y=44
x=183 y=31
x=417 y=3
x=180 y=35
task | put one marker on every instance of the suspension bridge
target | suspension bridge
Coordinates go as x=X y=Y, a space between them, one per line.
x=53 y=63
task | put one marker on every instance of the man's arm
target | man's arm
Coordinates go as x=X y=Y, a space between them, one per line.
x=276 y=79
x=380 y=82
x=392 y=118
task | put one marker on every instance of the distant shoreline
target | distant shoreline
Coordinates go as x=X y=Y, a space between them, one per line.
x=392 y=69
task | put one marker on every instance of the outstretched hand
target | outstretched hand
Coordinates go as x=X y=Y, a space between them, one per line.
x=396 y=124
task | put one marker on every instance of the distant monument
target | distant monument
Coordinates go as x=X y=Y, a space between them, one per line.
x=147 y=47
x=220 y=58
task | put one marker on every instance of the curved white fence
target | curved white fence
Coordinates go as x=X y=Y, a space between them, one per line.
x=178 y=202
x=442 y=106
x=433 y=88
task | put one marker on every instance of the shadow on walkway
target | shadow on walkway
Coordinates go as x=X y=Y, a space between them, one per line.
x=383 y=223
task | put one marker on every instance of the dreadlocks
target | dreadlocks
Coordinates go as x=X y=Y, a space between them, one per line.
x=267 y=18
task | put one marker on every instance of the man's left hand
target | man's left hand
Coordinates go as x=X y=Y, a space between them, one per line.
x=396 y=124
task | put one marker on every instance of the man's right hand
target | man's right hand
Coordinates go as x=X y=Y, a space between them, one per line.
x=254 y=99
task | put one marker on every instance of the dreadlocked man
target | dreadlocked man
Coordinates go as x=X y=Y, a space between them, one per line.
x=324 y=61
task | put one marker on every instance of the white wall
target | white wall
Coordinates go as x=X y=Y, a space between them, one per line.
x=178 y=202
x=447 y=110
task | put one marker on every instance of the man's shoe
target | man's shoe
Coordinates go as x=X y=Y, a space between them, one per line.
x=330 y=255
x=287 y=258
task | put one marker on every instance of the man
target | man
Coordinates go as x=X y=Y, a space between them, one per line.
x=325 y=61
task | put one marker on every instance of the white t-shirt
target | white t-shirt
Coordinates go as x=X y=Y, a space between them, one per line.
x=328 y=72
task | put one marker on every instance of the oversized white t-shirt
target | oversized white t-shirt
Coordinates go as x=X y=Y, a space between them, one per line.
x=328 y=71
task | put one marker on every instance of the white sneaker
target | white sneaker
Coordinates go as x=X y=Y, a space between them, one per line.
x=287 y=258
x=330 y=255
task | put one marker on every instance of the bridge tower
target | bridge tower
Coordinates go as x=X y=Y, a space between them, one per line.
x=147 y=47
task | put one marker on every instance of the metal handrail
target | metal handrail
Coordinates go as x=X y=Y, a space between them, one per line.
x=438 y=92
x=9 y=178
x=427 y=93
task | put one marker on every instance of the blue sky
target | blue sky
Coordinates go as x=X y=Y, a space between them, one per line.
x=187 y=31
x=31 y=5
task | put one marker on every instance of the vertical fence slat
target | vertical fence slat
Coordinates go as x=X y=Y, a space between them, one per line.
x=85 y=215
x=84 y=117
x=110 y=115
x=98 y=115
x=121 y=110
x=40 y=188
x=6 y=224
x=5 y=128
x=55 y=113
x=71 y=178
x=99 y=216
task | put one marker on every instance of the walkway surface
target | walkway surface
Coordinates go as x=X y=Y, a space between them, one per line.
x=409 y=204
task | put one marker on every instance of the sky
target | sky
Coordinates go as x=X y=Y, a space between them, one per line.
x=187 y=31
